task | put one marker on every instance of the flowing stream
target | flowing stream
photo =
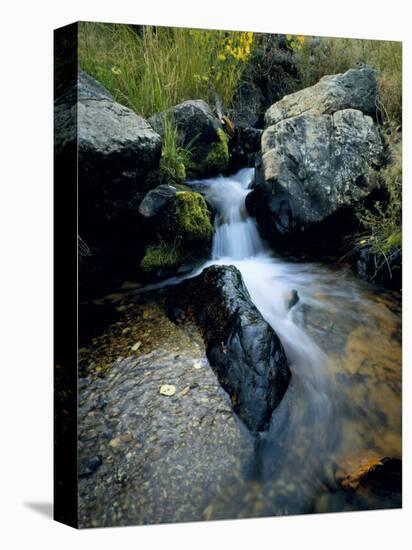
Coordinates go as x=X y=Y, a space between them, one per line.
x=342 y=340
x=188 y=457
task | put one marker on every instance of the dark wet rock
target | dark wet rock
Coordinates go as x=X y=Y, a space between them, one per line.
x=314 y=170
x=355 y=89
x=200 y=132
x=242 y=348
x=244 y=147
x=383 y=270
x=89 y=466
x=118 y=154
x=249 y=138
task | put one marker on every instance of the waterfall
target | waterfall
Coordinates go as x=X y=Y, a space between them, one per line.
x=323 y=416
x=270 y=282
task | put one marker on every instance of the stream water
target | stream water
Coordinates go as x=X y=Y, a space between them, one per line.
x=147 y=458
x=342 y=339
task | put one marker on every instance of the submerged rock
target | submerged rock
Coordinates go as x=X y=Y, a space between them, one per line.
x=200 y=132
x=355 y=89
x=242 y=348
x=379 y=476
x=163 y=457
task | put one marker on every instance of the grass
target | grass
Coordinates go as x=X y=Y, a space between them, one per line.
x=151 y=69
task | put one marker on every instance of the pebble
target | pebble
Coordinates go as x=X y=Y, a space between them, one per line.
x=136 y=346
x=167 y=389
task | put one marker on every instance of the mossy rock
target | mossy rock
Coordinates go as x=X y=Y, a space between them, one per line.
x=215 y=159
x=172 y=171
x=160 y=256
x=184 y=234
x=187 y=219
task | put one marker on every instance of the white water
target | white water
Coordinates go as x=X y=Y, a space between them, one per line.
x=269 y=281
x=326 y=411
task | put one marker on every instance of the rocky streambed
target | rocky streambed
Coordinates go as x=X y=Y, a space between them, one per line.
x=238 y=382
x=158 y=439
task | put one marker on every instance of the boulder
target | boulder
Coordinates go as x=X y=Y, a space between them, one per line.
x=179 y=222
x=355 y=89
x=201 y=133
x=313 y=169
x=118 y=154
x=156 y=199
x=244 y=351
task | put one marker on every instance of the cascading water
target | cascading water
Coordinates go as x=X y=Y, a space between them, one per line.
x=237 y=242
x=342 y=342
x=313 y=427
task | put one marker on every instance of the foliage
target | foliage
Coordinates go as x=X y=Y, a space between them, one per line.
x=185 y=221
x=174 y=158
x=153 y=68
x=216 y=160
x=321 y=56
x=383 y=222
x=295 y=41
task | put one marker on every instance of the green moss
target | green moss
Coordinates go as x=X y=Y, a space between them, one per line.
x=217 y=159
x=158 y=256
x=187 y=218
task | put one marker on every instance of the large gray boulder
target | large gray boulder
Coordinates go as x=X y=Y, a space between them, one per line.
x=201 y=133
x=112 y=140
x=118 y=154
x=319 y=158
x=243 y=349
x=317 y=164
x=355 y=89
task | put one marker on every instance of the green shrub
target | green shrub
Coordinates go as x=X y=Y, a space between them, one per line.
x=383 y=222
